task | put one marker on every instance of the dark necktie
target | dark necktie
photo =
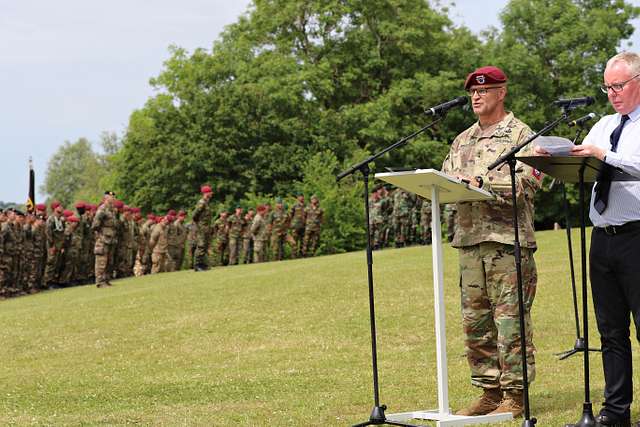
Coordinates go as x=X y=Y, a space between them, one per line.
x=604 y=178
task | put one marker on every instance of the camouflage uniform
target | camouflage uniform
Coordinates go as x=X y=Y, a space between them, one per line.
x=314 y=217
x=221 y=233
x=279 y=222
x=181 y=238
x=55 y=243
x=28 y=261
x=376 y=220
x=145 y=252
x=247 y=239
x=484 y=237
x=401 y=216
x=159 y=245
x=386 y=209
x=125 y=247
x=72 y=251
x=425 y=222
x=236 y=226
x=104 y=226
x=260 y=234
x=297 y=228
x=172 y=247
x=202 y=232
x=7 y=245
x=39 y=256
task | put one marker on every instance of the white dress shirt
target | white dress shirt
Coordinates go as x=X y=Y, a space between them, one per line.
x=624 y=196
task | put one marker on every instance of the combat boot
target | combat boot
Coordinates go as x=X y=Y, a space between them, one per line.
x=513 y=402
x=489 y=401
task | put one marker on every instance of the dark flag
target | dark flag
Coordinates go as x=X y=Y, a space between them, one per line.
x=31 y=200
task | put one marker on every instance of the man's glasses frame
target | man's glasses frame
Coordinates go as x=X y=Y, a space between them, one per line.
x=483 y=90
x=616 y=87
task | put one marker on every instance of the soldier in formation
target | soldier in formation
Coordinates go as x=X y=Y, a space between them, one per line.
x=111 y=241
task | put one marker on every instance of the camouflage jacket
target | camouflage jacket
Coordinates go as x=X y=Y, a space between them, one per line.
x=104 y=224
x=221 y=230
x=55 y=232
x=279 y=221
x=259 y=228
x=236 y=226
x=158 y=242
x=314 y=217
x=297 y=216
x=491 y=221
x=202 y=214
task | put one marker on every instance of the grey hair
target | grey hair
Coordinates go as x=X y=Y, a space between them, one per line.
x=632 y=60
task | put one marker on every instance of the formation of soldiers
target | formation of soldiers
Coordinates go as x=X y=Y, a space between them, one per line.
x=58 y=247
x=399 y=218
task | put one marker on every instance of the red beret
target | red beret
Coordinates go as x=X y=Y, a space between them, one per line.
x=73 y=219
x=67 y=213
x=485 y=76
x=55 y=205
x=205 y=189
x=93 y=207
x=118 y=204
x=182 y=213
x=159 y=219
x=170 y=218
x=151 y=216
x=171 y=212
x=80 y=205
x=135 y=210
x=41 y=207
x=126 y=208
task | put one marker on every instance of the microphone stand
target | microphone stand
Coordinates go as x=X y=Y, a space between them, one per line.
x=377 y=416
x=579 y=344
x=510 y=159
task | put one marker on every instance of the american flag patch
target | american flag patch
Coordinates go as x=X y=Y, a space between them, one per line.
x=537 y=174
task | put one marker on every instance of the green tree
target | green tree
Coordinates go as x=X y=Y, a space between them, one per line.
x=290 y=79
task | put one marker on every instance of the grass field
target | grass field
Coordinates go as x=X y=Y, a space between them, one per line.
x=278 y=344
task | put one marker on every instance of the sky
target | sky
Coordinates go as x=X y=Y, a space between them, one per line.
x=72 y=68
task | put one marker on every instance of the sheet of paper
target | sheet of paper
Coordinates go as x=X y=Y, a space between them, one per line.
x=555 y=145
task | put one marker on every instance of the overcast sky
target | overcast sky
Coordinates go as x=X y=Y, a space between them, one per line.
x=72 y=68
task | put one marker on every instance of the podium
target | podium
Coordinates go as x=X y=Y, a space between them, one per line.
x=439 y=188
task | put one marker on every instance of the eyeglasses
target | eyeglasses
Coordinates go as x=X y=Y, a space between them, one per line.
x=616 y=87
x=482 y=91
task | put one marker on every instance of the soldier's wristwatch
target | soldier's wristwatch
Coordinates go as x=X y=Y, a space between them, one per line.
x=480 y=181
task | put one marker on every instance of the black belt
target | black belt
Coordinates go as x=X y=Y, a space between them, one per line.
x=612 y=230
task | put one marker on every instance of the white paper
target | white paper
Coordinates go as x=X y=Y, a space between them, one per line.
x=555 y=145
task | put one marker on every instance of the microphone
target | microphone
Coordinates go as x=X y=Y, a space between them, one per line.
x=572 y=103
x=582 y=120
x=446 y=106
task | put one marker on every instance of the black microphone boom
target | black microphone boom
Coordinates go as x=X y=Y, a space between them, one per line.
x=582 y=120
x=572 y=103
x=446 y=106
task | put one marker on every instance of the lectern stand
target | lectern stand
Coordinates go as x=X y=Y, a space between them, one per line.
x=439 y=188
x=578 y=169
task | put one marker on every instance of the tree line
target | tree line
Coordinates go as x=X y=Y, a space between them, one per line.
x=297 y=90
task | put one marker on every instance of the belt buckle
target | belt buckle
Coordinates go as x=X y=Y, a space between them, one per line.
x=610 y=230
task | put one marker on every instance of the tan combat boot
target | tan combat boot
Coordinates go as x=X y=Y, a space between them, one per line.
x=486 y=403
x=513 y=402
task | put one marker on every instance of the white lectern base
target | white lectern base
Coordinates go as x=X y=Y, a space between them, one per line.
x=446 y=420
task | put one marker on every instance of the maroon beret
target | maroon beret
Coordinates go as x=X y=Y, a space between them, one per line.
x=171 y=212
x=205 y=189
x=80 y=205
x=119 y=204
x=67 y=213
x=73 y=219
x=485 y=76
x=41 y=207
x=182 y=213
x=55 y=205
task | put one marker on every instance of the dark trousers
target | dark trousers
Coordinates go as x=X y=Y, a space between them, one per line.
x=615 y=284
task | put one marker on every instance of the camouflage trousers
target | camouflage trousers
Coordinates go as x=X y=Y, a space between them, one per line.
x=277 y=246
x=234 y=250
x=401 y=226
x=298 y=237
x=489 y=294
x=52 y=270
x=259 y=250
x=160 y=262
x=247 y=250
x=104 y=262
x=310 y=242
x=201 y=252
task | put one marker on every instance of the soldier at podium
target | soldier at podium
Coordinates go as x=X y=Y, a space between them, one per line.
x=484 y=238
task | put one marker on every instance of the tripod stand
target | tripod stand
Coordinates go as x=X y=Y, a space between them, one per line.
x=579 y=345
x=377 y=416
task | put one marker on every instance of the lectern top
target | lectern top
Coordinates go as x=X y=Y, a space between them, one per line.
x=421 y=181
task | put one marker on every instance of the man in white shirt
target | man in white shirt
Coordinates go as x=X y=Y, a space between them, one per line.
x=614 y=256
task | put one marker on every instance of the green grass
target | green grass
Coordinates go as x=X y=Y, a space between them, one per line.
x=278 y=344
